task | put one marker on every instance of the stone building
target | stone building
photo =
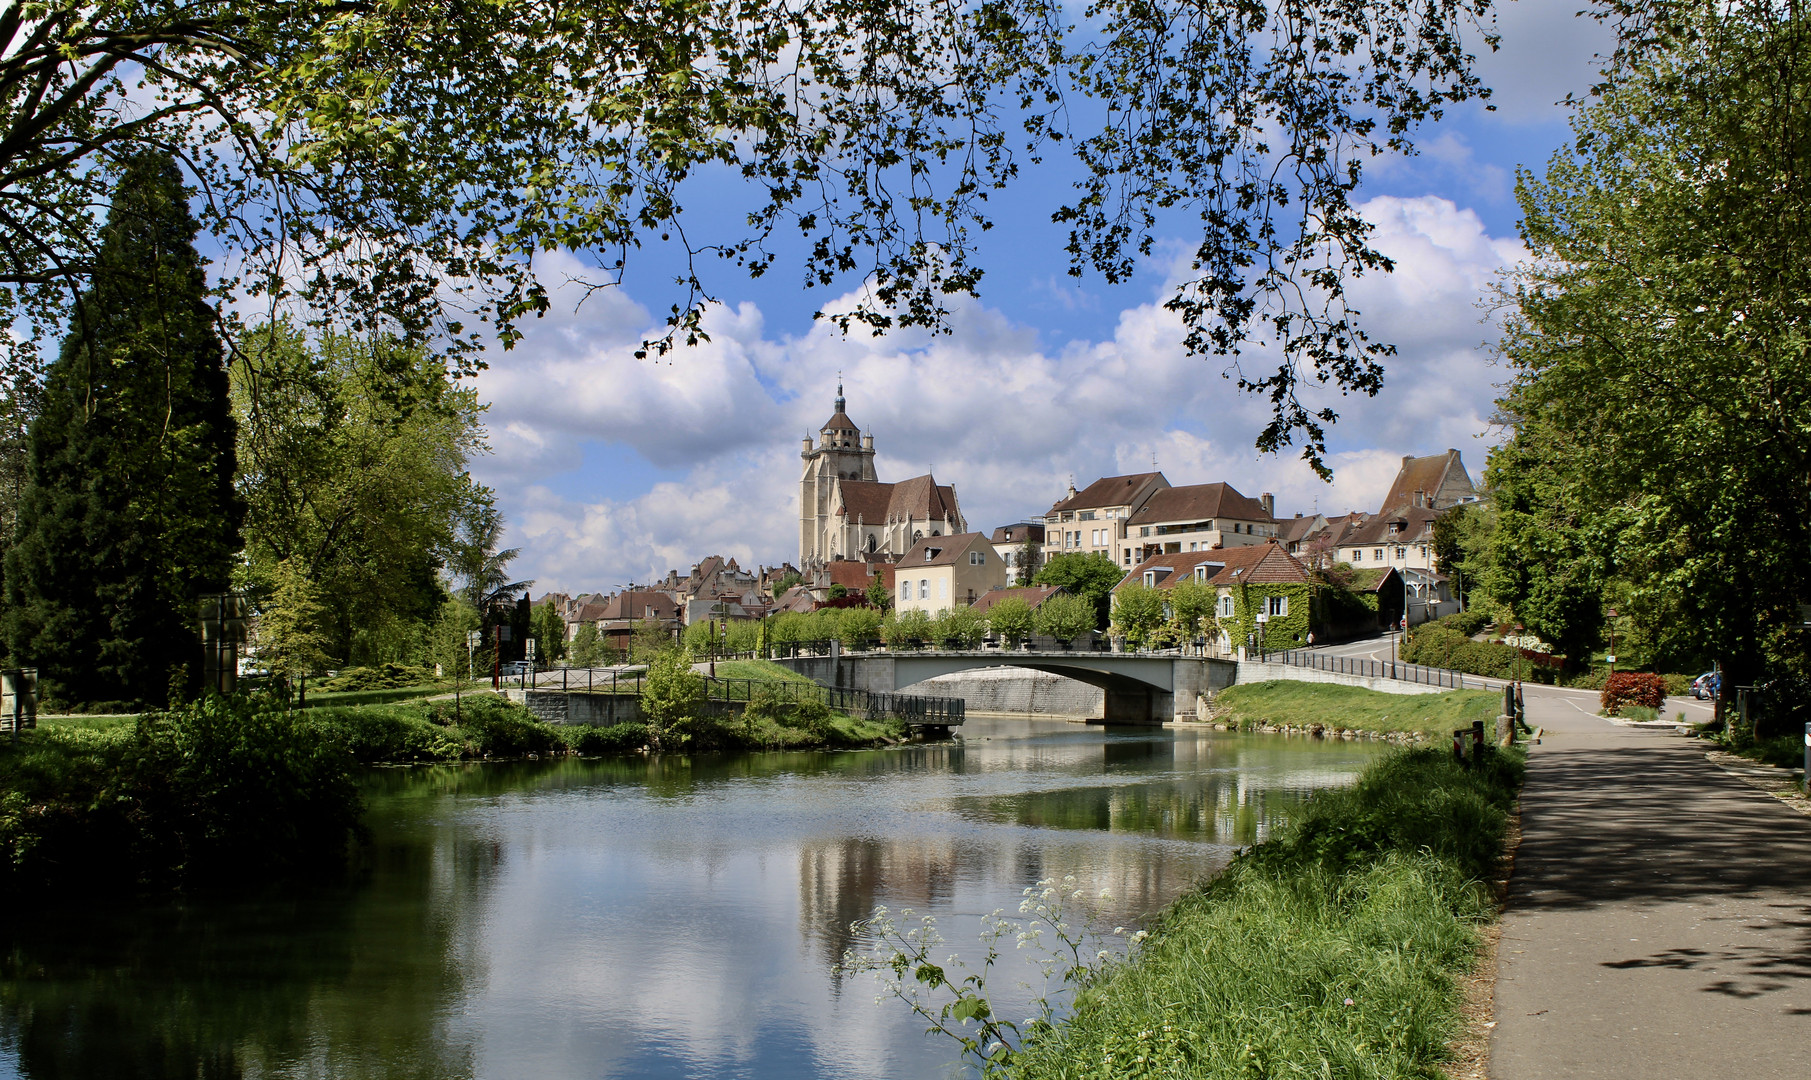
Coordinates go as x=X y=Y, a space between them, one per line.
x=847 y=512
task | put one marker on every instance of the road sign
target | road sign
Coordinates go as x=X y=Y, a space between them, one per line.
x=1611 y=658
x=475 y=638
x=528 y=647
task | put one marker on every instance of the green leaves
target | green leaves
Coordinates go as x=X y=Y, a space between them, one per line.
x=398 y=166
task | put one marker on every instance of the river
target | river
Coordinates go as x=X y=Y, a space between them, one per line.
x=631 y=918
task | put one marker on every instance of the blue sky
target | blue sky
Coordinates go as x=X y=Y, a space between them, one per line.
x=612 y=470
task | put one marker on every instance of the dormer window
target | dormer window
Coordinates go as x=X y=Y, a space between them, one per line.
x=1150 y=579
x=1201 y=572
x=931 y=553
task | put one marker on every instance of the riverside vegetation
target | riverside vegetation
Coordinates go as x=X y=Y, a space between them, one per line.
x=242 y=788
x=1333 y=949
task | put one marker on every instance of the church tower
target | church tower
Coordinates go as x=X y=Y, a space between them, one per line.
x=842 y=453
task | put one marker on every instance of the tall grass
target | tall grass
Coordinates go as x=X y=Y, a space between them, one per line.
x=1331 y=951
x=1354 y=708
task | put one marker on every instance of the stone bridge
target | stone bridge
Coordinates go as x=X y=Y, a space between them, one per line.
x=1139 y=689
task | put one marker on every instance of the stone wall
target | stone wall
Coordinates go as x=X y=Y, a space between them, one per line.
x=1017 y=691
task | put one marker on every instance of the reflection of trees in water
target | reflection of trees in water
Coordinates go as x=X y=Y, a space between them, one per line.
x=351 y=981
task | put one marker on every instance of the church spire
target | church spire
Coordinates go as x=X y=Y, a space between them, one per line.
x=840 y=407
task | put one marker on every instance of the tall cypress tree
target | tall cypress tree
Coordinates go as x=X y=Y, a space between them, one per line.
x=129 y=511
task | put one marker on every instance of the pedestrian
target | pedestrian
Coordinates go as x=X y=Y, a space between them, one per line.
x=1311 y=639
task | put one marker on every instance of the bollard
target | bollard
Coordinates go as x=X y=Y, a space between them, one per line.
x=1808 y=759
x=1509 y=700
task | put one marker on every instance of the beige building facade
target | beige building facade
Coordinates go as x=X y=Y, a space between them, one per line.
x=937 y=573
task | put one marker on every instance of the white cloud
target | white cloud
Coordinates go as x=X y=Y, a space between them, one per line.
x=984 y=406
x=1548 y=49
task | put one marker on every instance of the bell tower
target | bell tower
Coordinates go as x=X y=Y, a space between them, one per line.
x=841 y=453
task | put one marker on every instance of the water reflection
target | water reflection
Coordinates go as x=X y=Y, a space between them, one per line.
x=665 y=917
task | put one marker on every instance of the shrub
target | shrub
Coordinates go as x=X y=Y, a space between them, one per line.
x=1780 y=707
x=673 y=691
x=1632 y=688
x=1466 y=622
x=615 y=739
x=382 y=677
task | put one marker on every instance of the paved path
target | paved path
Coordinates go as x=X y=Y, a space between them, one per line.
x=1659 y=920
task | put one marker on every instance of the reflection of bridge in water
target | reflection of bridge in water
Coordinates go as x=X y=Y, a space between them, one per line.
x=1138 y=689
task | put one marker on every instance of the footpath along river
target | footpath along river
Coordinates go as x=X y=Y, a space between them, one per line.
x=630 y=918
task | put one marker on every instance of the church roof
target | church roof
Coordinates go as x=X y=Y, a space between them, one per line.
x=840 y=422
x=866 y=500
x=922 y=497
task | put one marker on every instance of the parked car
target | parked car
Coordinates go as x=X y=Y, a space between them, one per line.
x=1704 y=686
x=513 y=668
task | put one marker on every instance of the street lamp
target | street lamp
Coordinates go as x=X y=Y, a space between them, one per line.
x=1611 y=656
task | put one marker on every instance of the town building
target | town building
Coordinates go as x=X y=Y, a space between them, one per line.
x=847 y=512
x=1196 y=517
x=1094 y=519
x=940 y=572
x=1021 y=547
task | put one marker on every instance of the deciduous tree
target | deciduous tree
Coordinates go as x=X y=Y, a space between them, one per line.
x=1662 y=393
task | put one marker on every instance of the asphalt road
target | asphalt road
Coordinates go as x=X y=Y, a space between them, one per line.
x=1659 y=919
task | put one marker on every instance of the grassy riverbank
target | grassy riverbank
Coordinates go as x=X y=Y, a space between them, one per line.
x=242 y=788
x=1285 y=703
x=1333 y=950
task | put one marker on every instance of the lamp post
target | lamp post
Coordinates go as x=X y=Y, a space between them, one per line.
x=1611 y=656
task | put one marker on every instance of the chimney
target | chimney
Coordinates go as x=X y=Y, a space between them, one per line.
x=1269 y=503
x=1298 y=513
x=1406 y=459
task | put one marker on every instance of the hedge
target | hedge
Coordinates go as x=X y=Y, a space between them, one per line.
x=1632 y=688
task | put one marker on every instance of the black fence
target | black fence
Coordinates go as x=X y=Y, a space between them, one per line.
x=1373 y=669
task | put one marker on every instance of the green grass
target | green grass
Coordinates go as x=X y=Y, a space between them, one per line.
x=1333 y=950
x=765 y=670
x=1786 y=750
x=1353 y=708
x=318 y=698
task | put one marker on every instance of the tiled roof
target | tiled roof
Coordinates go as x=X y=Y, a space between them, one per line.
x=940 y=550
x=1261 y=564
x=1033 y=595
x=1426 y=475
x=1199 y=502
x=850 y=574
x=840 y=422
x=1416 y=524
x=1113 y=491
x=1015 y=533
x=1296 y=529
x=920 y=498
x=866 y=500
x=1178 y=566
x=634 y=604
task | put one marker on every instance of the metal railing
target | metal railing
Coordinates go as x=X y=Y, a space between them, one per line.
x=912 y=709
x=1400 y=670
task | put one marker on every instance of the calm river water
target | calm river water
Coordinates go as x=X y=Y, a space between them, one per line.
x=662 y=918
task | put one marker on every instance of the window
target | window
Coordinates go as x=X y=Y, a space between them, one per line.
x=924 y=588
x=1150 y=578
x=1377 y=555
x=1085 y=515
x=1201 y=573
x=1402 y=553
x=1358 y=555
x=1226 y=606
x=975 y=558
x=1279 y=605
x=905 y=589
x=1128 y=556
x=1145 y=531
x=1191 y=545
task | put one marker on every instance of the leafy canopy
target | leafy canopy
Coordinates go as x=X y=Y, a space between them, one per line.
x=398 y=167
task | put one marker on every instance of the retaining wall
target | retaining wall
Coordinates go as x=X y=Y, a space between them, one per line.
x=1017 y=691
